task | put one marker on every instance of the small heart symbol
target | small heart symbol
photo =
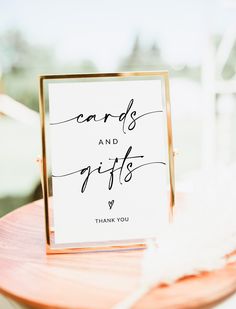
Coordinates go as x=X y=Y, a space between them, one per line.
x=110 y=204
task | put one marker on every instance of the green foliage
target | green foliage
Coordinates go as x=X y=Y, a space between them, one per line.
x=148 y=59
x=22 y=63
x=22 y=87
x=9 y=203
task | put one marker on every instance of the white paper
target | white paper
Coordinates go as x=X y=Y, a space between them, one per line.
x=92 y=211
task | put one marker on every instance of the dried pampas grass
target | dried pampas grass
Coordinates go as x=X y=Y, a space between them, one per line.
x=201 y=238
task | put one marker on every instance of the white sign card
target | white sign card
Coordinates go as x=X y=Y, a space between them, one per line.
x=109 y=153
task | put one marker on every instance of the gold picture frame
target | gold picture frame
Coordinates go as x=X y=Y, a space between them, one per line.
x=51 y=248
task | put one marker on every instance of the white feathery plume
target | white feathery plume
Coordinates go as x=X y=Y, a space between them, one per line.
x=201 y=237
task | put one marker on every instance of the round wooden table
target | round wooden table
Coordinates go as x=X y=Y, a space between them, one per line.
x=88 y=280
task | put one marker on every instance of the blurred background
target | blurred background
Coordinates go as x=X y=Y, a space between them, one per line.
x=194 y=40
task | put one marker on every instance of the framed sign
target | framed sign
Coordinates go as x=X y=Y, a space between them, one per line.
x=107 y=159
